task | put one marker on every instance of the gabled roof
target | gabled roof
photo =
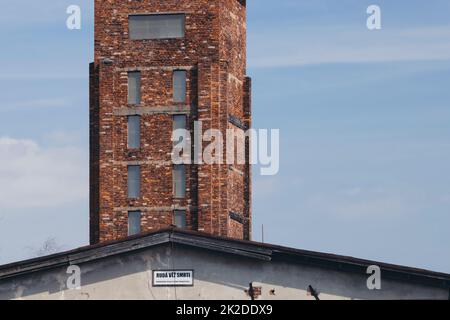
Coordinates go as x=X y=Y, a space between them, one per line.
x=249 y=249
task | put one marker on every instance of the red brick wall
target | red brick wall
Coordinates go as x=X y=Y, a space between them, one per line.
x=214 y=54
x=94 y=155
x=248 y=168
x=235 y=229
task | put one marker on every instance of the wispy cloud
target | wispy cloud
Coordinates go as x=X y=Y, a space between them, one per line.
x=64 y=138
x=298 y=46
x=36 y=177
x=34 y=104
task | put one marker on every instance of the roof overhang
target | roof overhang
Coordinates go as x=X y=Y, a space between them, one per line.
x=248 y=249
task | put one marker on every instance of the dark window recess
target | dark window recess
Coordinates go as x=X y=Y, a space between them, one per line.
x=134 y=223
x=179 y=86
x=134 y=132
x=179 y=181
x=134 y=182
x=134 y=87
x=156 y=26
x=237 y=122
x=179 y=219
x=179 y=122
x=236 y=217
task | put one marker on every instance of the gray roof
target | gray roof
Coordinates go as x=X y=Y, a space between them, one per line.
x=249 y=249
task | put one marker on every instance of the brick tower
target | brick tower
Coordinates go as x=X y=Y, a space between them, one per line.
x=159 y=66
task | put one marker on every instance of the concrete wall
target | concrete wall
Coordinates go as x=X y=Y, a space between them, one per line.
x=217 y=276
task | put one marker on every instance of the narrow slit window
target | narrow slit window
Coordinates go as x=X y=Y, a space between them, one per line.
x=134 y=87
x=134 y=132
x=156 y=26
x=134 y=223
x=179 y=123
x=179 y=86
x=134 y=182
x=179 y=181
x=179 y=219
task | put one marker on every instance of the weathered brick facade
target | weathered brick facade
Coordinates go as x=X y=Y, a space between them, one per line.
x=213 y=52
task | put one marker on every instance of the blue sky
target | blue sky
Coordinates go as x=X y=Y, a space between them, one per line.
x=364 y=119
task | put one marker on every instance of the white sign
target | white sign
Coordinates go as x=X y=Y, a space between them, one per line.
x=173 y=278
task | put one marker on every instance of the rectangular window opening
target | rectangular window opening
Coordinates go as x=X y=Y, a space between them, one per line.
x=134 y=182
x=134 y=132
x=179 y=86
x=156 y=26
x=134 y=223
x=179 y=181
x=179 y=219
x=179 y=123
x=134 y=87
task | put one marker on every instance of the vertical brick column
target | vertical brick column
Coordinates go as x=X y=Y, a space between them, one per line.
x=106 y=148
x=222 y=114
x=205 y=172
x=94 y=155
x=247 y=103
